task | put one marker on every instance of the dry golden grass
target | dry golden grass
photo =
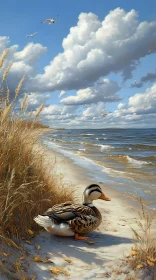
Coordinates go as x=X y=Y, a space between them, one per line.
x=25 y=187
x=6 y=72
x=2 y=58
x=143 y=253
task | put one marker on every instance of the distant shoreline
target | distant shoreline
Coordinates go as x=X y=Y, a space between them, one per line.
x=106 y=128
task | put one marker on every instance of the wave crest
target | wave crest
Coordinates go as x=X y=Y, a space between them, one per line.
x=106 y=147
x=136 y=162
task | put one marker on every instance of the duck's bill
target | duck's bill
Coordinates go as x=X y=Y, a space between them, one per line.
x=103 y=197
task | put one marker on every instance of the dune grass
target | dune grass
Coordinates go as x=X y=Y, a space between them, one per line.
x=143 y=255
x=25 y=187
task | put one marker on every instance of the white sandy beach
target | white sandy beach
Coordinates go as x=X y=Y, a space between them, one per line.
x=104 y=259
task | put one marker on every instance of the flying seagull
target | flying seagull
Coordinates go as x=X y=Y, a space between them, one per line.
x=135 y=82
x=50 y=21
x=31 y=35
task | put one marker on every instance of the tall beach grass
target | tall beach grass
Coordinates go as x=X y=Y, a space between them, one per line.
x=25 y=187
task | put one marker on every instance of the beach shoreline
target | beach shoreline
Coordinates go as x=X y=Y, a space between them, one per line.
x=112 y=241
x=117 y=159
x=74 y=174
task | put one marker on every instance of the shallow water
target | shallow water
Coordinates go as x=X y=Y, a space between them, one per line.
x=125 y=158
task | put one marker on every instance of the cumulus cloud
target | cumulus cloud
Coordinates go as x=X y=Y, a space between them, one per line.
x=121 y=106
x=104 y=90
x=35 y=99
x=139 y=111
x=63 y=92
x=30 y=54
x=24 y=61
x=4 y=41
x=91 y=51
x=56 y=115
x=69 y=116
x=143 y=103
x=58 y=110
x=149 y=77
x=95 y=48
x=94 y=111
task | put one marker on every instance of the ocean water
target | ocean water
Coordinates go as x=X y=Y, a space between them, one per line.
x=125 y=159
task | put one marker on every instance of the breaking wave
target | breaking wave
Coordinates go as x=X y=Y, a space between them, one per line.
x=106 y=147
x=136 y=162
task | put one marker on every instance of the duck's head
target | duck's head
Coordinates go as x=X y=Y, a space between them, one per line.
x=93 y=192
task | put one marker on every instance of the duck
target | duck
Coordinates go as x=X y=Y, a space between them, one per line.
x=70 y=219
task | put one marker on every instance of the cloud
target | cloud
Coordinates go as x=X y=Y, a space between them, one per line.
x=95 y=110
x=121 y=106
x=53 y=110
x=69 y=116
x=104 y=90
x=91 y=51
x=4 y=41
x=24 y=62
x=56 y=115
x=62 y=93
x=30 y=54
x=143 y=103
x=139 y=111
x=95 y=48
x=35 y=99
x=149 y=77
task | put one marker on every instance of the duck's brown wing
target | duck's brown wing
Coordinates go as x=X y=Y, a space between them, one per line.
x=68 y=211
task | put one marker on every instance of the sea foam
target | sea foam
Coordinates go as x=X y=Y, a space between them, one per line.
x=136 y=162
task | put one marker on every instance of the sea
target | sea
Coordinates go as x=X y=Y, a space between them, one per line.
x=124 y=159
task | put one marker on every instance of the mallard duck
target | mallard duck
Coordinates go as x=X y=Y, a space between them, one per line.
x=69 y=219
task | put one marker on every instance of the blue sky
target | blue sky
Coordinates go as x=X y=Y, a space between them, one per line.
x=18 y=18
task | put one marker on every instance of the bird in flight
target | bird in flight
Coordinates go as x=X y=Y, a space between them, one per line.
x=134 y=81
x=31 y=35
x=50 y=21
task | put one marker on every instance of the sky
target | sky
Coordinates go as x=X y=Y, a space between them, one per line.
x=95 y=67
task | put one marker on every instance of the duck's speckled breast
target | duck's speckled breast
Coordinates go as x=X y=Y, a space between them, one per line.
x=87 y=224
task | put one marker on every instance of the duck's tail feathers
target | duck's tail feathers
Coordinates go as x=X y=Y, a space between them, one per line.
x=44 y=221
